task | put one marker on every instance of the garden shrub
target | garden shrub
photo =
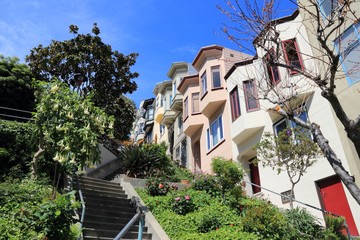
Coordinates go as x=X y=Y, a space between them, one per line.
x=206 y=182
x=147 y=160
x=15 y=149
x=303 y=224
x=264 y=219
x=157 y=186
x=228 y=173
x=25 y=215
x=334 y=228
x=183 y=205
x=179 y=173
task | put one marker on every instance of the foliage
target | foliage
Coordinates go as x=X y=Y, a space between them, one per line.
x=16 y=90
x=228 y=173
x=68 y=126
x=21 y=202
x=292 y=151
x=145 y=160
x=206 y=182
x=107 y=72
x=56 y=216
x=180 y=173
x=303 y=224
x=183 y=205
x=15 y=149
x=157 y=186
x=264 y=219
x=334 y=228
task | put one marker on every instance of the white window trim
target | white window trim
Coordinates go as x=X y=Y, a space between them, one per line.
x=220 y=131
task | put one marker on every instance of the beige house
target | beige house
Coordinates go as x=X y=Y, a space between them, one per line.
x=345 y=39
x=319 y=187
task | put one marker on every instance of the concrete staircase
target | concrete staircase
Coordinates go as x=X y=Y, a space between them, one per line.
x=107 y=210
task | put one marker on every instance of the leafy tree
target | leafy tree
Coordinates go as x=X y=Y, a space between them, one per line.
x=90 y=65
x=291 y=151
x=252 y=25
x=68 y=126
x=16 y=90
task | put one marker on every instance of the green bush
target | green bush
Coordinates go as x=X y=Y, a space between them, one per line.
x=27 y=213
x=303 y=224
x=228 y=173
x=157 y=186
x=183 y=205
x=179 y=173
x=206 y=182
x=147 y=160
x=334 y=228
x=15 y=149
x=264 y=220
x=55 y=217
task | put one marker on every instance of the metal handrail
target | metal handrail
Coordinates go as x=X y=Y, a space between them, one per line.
x=138 y=216
x=83 y=206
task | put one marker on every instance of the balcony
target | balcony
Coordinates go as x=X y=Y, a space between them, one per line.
x=168 y=118
x=212 y=100
x=177 y=102
x=193 y=123
x=247 y=125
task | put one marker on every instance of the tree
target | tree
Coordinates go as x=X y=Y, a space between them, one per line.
x=89 y=65
x=254 y=21
x=68 y=127
x=292 y=151
x=16 y=89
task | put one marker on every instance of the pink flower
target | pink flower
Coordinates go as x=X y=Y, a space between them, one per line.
x=161 y=185
x=187 y=197
x=177 y=199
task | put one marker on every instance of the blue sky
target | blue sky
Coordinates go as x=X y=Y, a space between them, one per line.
x=161 y=31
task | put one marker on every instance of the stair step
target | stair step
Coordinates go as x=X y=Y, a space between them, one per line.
x=100 y=194
x=85 y=179
x=109 y=185
x=110 y=219
x=109 y=212
x=106 y=200
x=112 y=234
x=111 y=226
x=116 y=208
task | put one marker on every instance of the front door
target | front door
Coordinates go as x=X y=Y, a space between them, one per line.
x=334 y=200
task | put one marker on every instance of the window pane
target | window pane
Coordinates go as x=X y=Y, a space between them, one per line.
x=203 y=84
x=195 y=103
x=281 y=126
x=235 y=103
x=216 y=81
x=214 y=133
x=208 y=138
x=250 y=95
x=292 y=55
x=328 y=6
x=220 y=128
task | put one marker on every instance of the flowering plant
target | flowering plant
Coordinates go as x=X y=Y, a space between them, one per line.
x=157 y=187
x=183 y=205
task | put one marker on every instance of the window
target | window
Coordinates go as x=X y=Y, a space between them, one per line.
x=185 y=110
x=195 y=103
x=273 y=71
x=183 y=153
x=349 y=46
x=284 y=123
x=216 y=81
x=203 y=84
x=141 y=128
x=215 y=133
x=251 y=97
x=292 y=55
x=150 y=114
x=328 y=6
x=162 y=129
x=177 y=152
x=174 y=89
x=235 y=103
x=180 y=125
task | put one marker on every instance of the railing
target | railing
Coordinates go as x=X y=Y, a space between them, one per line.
x=138 y=216
x=12 y=113
x=83 y=207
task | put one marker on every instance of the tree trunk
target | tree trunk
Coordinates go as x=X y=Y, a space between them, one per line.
x=37 y=155
x=335 y=163
x=291 y=196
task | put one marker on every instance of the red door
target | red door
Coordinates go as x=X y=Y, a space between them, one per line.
x=334 y=200
x=255 y=177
